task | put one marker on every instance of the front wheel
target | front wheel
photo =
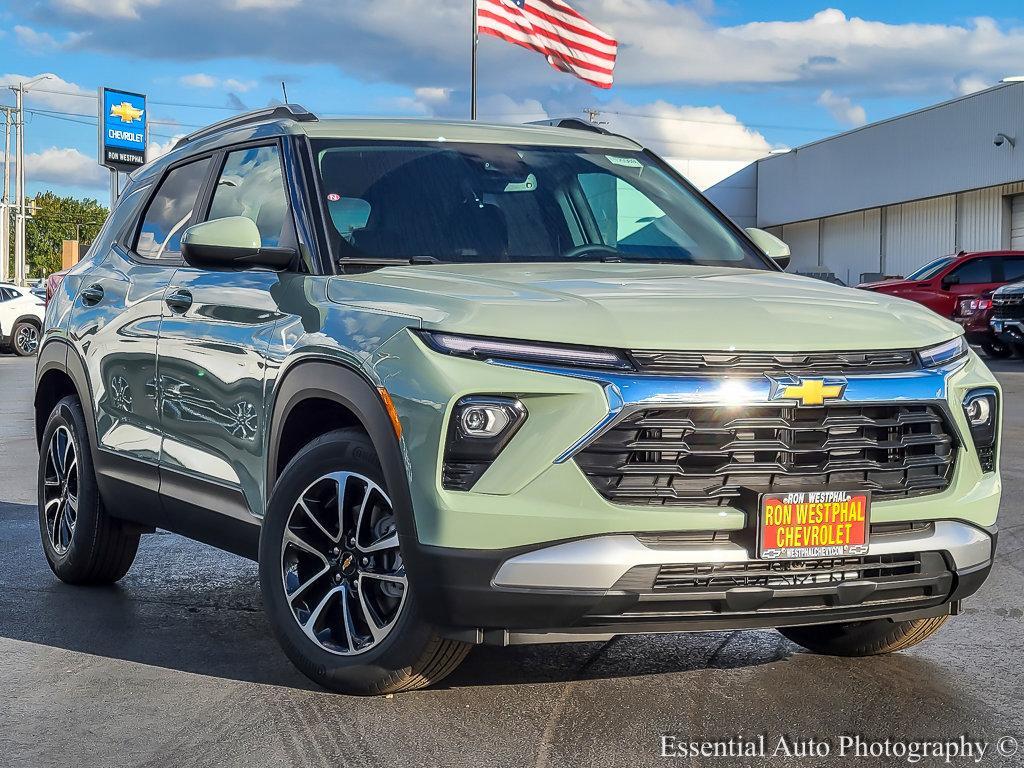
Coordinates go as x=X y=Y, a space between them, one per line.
x=25 y=339
x=864 y=638
x=997 y=350
x=333 y=579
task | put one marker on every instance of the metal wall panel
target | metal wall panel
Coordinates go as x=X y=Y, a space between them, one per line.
x=979 y=220
x=941 y=150
x=1017 y=223
x=915 y=233
x=851 y=244
x=802 y=240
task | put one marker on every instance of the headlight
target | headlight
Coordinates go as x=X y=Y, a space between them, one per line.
x=981 y=406
x=484 y=348
x=479 y=429
x=947 y=352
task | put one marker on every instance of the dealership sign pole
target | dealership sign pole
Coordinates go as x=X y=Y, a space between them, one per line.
x=123 y=133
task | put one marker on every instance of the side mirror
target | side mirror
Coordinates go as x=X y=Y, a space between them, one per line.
x=231 y=242
x=949 y=281
x=773 y=248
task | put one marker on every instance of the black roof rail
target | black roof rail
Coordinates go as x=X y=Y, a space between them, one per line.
x=574 y=123
x=294 y=112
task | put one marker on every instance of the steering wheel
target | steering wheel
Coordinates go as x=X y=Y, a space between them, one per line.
x=579 y=250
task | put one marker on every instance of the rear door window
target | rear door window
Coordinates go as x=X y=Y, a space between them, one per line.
x=170 y=211
x=976 y=271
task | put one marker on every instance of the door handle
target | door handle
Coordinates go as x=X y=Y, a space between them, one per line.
x=92 y=295
x=179 y=300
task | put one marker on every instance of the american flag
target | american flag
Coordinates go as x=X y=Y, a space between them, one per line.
x=570 y=42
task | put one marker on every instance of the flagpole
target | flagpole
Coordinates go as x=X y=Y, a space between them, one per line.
x=473 y=75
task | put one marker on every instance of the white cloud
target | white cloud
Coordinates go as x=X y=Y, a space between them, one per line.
x=241 y=86
x=156 y=149
x=54 y=93
x=120 y=9
x=662 y=43
x=198 y=80
x=248 y=5
x=971 y=84
x=203 y=80
x=66 y=166
x=683 y=131
x=843 y=109
x=36 y=42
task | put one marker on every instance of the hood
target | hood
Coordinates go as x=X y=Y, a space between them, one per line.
x=638 y=306
x=885 y=286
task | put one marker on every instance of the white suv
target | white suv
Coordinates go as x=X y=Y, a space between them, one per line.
x=21 y=319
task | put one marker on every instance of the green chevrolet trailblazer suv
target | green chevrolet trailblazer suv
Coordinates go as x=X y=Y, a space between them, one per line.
x=454 y=384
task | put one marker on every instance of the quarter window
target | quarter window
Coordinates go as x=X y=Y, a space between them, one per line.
x=170 y=210
x=1013 y=269
x=251 y=185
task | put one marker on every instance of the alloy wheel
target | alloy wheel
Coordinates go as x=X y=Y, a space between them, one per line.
x=26 y=340
x=60 y=489
x=341 y=566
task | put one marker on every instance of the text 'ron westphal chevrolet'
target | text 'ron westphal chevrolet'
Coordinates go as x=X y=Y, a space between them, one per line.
x=455 y=384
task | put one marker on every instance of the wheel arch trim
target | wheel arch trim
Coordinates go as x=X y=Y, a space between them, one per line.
x=58 y=355
x=341 y=383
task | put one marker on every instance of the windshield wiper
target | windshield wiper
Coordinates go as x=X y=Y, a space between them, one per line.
x=372 y=261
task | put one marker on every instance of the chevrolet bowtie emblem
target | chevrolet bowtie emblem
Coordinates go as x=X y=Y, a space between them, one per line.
x=808 y=391
x=126 y=112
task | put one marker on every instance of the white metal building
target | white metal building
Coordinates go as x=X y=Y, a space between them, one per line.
x=891 y=196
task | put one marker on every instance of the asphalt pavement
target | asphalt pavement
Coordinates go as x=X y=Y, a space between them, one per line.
x=176 y=666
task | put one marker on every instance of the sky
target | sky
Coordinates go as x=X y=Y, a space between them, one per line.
x=699 y=79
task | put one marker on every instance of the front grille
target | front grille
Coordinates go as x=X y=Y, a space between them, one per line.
x=1008 y=307
x=704 y=456
x=846 y=363
x=784 y=573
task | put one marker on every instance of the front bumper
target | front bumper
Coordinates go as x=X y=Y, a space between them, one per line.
x=486 y=557
x=1009 y=331
x=624 y=584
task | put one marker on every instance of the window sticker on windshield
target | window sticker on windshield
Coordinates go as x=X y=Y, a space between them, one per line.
x=626 y=162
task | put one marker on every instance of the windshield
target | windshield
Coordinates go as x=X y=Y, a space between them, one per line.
x=930 y=269
x=481 y=203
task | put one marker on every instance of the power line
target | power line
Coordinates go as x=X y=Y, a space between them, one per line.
x=93 y=97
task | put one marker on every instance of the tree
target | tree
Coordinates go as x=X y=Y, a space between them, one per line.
x=56 y=219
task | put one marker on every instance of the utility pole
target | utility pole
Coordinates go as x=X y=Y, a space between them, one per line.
x=5 y=200
x=593 y=115
x=19 y=220
x=19 y=178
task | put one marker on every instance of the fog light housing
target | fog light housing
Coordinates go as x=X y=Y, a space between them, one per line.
x=478 y=430
x=981 y=407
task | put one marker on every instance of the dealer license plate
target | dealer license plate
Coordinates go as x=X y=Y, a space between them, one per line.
x=813 y=524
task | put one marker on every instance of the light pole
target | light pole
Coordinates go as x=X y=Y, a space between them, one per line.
x=5 y=200
x=19 y=221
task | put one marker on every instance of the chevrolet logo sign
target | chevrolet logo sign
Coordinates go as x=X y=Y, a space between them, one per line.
x=808 y=392
x=126 y=112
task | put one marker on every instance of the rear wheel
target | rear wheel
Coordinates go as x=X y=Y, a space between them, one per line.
x=82 y=543
x=864 y=638
x=333 y=579
x=25 y=339
x=997 y=350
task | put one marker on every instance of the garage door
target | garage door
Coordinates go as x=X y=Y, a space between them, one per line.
x=1017 y=224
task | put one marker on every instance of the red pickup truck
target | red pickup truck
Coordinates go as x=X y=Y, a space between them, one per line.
x=941 y=284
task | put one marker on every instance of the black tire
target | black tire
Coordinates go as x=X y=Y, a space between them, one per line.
x=1018 y=350
x=864 y=638
x=99 y=548
x=412 y=655
x=997 y=350
x=25 y=338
